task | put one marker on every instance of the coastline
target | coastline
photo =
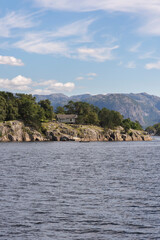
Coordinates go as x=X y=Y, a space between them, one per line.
x=16 y=131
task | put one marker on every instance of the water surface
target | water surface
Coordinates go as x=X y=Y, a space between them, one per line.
x=80 y=191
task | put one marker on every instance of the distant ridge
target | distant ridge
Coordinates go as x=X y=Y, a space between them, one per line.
x=142 y=107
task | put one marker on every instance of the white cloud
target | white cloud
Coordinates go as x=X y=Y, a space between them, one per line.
x=92 y=74
x=94 y=5
x=120 y=63
x=42 y=46
x=19 y=83
x=88 y=76
x=155 y=65
x=79 y=78
x=51 y=42
x=57 y=86
x=74 y=29
x=14 y=20
x=41 y=92
x=96 y=54
x=9 y=60
x=131 y=65
x=151 y=26
x=135 y=48
x=149 y=10
x=148 y=55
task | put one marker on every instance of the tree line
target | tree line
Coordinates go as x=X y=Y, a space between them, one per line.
x=24 y=107
x=154 y=130
x=90 y=114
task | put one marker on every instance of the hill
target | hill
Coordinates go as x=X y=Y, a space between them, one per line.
x=142 y=107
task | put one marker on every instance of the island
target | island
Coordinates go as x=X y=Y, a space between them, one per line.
x=24 y=119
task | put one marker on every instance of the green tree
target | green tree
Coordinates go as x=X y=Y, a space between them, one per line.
x=60 y=110
x=29 y=110
x=48 y=109
x=70 y=107
x=105 y=118
x=3 y=108
x=150 y=130
x=92 y=118
x=12 y=111
x=87 y=114
x=11 y=106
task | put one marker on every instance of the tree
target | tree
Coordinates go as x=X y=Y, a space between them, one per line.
x=3 y=109
x=87 y=114
x=12 y=111
x=11 y=106
x=92 y=118
x=105 y=118
x=70 y=107
x=48 y=109
x=60 y=110
x=29 y=110
x=150 y=130
x=116 y=118
x=136 y=125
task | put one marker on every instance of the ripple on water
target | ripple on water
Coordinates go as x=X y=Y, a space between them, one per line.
x=79 y=191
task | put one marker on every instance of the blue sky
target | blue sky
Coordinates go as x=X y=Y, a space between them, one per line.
x=78 y=47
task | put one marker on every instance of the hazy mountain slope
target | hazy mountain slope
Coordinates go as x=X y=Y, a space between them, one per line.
x=57 y=99
x=150 y=106
x=142 y=107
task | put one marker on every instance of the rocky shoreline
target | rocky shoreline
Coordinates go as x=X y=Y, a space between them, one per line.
x=16 y=131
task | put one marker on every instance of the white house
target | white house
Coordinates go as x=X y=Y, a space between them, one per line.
x=66 y=118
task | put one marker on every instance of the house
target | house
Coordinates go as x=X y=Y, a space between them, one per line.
x=66 y=118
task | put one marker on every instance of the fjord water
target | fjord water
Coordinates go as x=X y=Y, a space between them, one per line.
x=80 y=191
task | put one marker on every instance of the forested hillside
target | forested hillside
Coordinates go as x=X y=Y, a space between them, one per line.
x=140 y=107
x=24 y=107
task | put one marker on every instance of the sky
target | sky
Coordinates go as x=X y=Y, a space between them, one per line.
x=78 y=47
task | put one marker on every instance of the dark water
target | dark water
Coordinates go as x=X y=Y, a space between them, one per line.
x=80 y=191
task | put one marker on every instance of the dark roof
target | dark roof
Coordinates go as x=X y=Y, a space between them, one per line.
x=66 y=116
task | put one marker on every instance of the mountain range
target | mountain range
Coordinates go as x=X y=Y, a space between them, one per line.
x=142 y=107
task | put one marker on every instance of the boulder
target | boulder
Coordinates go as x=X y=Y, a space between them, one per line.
x=64 y=138
x=126 y=137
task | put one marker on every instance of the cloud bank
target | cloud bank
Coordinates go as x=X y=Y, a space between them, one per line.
x=21 y=83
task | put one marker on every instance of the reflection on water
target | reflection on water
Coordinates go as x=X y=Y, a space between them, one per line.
x=80 y=191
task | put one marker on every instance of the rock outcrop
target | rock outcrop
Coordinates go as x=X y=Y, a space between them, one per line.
x=85 y=133
x=12 y=131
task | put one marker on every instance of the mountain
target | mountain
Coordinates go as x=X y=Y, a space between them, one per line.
x=142 y=107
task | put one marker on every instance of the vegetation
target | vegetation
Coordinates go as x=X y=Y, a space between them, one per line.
x=24 y=107
x=127 y=124
x=89 y=114
x=155 y=129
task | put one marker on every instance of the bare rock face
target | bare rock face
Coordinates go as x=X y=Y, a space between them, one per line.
x=64 y=138
x=126 y=137
x=26 y=137
x=90 y=134
x=63 y=132
x=13 y=131
x=133 y=135
x=146 y=138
